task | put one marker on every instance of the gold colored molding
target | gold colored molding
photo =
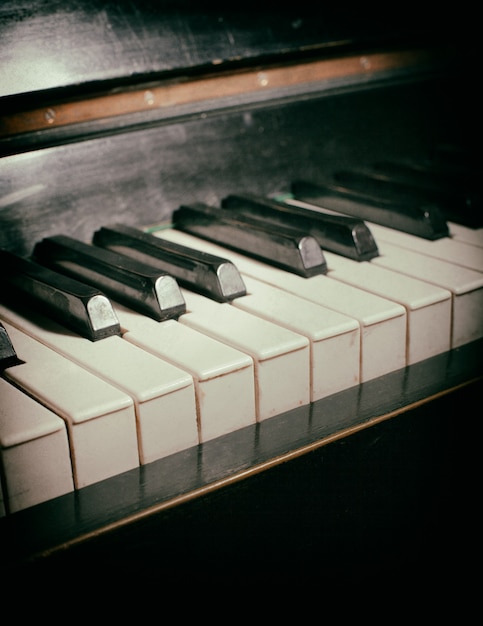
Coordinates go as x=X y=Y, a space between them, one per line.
x=174 y=93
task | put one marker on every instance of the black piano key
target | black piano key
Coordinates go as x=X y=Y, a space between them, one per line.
x=423 y=220
x=210 y=275
x=8 y=354
x=344 y=235
x=137 y=285
x=452 y=188
x=456 y=159
x=281 y=246
x=77 y=306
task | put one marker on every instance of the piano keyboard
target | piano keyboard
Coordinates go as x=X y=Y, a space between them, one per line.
x=442 y=264
x=381 y=323
x=166 y=386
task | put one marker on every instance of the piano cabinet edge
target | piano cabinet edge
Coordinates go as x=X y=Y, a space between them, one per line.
x=248 y=488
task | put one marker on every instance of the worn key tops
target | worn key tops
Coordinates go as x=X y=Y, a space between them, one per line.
x=100 y=419
x=282 y=246
x=35 y=463
x=423 y=219
x=381 y=323
x=223 y=376
x=281 y=357
x=77 y=306
x=163 y=395
x=210 y=275
x=341 y=234
x=139 y=286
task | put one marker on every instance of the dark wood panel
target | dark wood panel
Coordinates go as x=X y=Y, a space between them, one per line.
x=141 y=175
x=70 y=46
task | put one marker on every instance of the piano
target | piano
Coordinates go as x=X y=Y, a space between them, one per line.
x=343 y=450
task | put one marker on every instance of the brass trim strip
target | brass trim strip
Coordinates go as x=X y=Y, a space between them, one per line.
x=182 y=92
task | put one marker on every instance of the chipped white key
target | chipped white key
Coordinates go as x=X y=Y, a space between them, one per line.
x=382 y=323
x=163 y=394
x=428 y=307
x=446 y=248
x=34 y=451
x=223 y=377
x=281 y=357
x=100 y=419
x=465 y=285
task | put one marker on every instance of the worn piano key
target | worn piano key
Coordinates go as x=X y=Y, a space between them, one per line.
x=428 y=307
x=334 y=338
x=382 y=323
x=34 y=451
x=138 y=285
x=447 y=248
x=446 y=168
x=213 y=276
x=223 y=377
x=77 y=306
x=100 y=419
x=281 y=357
x=465 y=285
x=282 y=246
x=423 y=220
x=163 y=395
x=8 y=354
x=451 y=204
x=473 y=236
x=328 y=333
x=451 y=186
x=341 y=234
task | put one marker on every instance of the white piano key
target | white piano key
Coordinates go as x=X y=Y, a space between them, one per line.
x=100 y=419
x=34 y=450
x=446 y=248
x=382 y=322
x=334 y=338
x=428 y=307
x=163 y=395
x=474 y=236
x=465 y=285
x=224 y=377
x=281 y=357
x=329 y=334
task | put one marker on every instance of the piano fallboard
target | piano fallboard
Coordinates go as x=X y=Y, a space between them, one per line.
x=141 y=166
